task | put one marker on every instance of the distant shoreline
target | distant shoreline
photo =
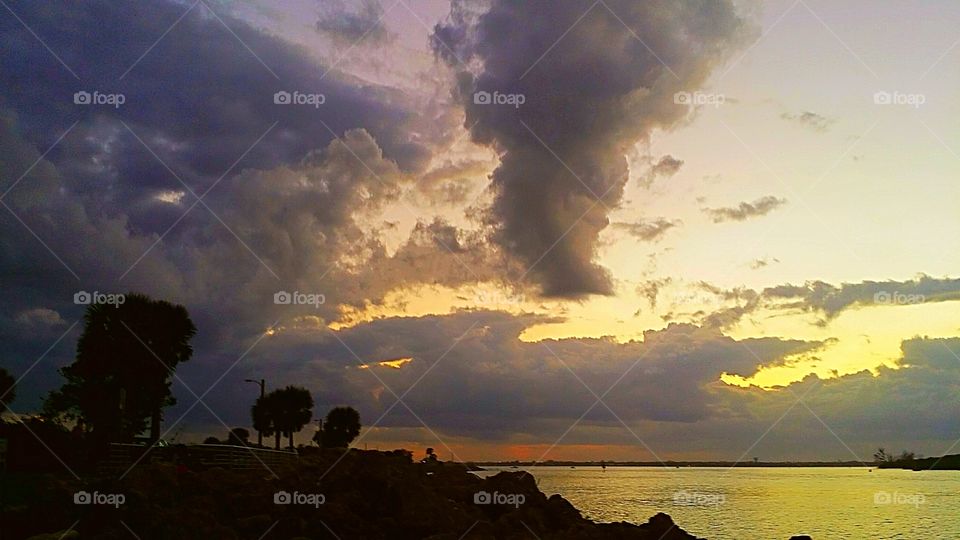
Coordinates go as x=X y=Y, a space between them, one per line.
x=673 y=464
x=942 y=463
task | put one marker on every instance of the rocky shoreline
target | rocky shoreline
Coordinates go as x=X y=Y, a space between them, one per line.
x=329 y=494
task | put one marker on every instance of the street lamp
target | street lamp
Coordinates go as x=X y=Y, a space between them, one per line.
x=262 y=383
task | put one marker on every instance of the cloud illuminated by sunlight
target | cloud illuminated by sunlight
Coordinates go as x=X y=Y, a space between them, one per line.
x=396 y=363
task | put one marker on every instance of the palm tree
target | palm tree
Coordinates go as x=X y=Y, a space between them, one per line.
x=262 y=416
x=283 y=412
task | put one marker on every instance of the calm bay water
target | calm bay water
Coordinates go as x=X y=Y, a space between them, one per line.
x=767 y=503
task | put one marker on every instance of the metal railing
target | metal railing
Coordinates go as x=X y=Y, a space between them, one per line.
x=198 y=456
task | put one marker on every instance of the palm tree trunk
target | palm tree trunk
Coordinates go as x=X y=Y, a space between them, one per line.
x=291 y=439
x=277 y=440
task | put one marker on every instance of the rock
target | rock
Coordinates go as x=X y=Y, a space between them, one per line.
x=366 y=494
x=662 y=527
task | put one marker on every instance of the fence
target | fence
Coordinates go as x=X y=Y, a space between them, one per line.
x=239 y=457
x=201 y=456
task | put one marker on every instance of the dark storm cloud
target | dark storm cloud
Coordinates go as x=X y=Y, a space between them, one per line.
x=101 y=212
x=294 y=229
x=830 y=300
x=472 y=378
x=824 y=299
x=592 y=81
x=914 y=407
x=294 y=222
x=200 y=98
x=364 y=26
x=745 y=210
x=488 y=383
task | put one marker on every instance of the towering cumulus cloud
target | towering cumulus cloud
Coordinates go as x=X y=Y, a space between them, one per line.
x=571 y=87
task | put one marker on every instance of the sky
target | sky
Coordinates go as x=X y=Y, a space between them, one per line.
x=613 y=230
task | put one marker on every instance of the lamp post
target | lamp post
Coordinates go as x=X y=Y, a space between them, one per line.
x=262 y=383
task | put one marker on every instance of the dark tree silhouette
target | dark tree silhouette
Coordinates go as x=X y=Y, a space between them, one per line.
x=8 y=390
x=211 y=440
x=125 y=360
x=262 y=417
x=340 y=428
x=238 y=436
x=283 y=412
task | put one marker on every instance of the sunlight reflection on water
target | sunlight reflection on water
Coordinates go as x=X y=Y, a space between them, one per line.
x=767 y=503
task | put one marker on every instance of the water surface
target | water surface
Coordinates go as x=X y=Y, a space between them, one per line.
x=767 y=503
